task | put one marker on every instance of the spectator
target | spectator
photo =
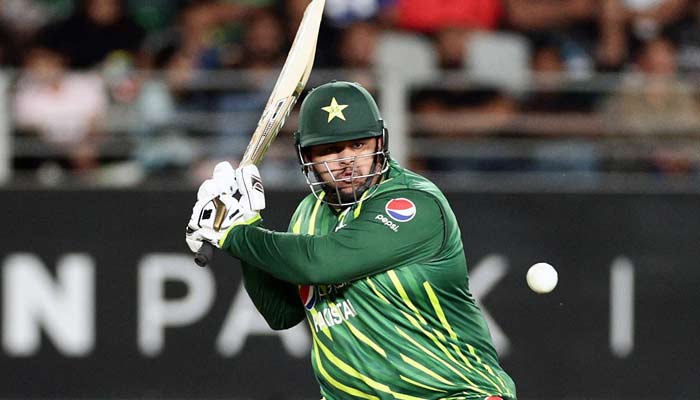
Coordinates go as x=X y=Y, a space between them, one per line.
x=552 y=90
x=553 y=100
x=195 y=46
x=95 y=30
x=191 y=45
x=65 y=110
x=573 y=23
x=594 y=33
x=450 y=44
x=358 y=45
x=429 y=16
x=264 y=52
x=462 y=115
x=654 y=101
x=624 y=24
x=185 y=50
x=181 y=52
x=357 y=52
x=264 y=43
x=449 y=22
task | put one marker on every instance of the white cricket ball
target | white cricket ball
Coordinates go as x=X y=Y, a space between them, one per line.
x=542 y=278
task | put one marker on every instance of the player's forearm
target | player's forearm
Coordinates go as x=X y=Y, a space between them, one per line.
x=292 y=258
x=330 y=259
x=277 y=301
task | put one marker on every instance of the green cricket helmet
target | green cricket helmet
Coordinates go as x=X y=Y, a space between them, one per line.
x=338 y=112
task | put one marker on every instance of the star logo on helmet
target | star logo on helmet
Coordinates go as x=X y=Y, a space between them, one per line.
x=335 y=110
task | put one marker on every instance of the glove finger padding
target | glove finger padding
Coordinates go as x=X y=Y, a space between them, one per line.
x=208 y=190
x=225 y=177
x=223 y=182
x=251 y=188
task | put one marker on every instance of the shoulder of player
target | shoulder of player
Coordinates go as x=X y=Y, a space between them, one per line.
x=404 y=200
x=307 y=203
x=400 y=177
x=410 y=186
x=308 y=200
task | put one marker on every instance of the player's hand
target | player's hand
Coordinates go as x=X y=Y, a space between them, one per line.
x=204 y=227
x=218 y=196
x=250 y=187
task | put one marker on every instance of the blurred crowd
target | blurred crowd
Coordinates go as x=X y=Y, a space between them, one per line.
x=104 y=81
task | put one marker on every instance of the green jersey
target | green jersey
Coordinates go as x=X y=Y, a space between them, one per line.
x=384 y=288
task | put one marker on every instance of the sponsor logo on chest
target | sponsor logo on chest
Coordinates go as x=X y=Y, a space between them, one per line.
x=324 y=312
x=330 y=314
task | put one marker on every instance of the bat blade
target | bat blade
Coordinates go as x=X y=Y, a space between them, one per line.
x=289 y=86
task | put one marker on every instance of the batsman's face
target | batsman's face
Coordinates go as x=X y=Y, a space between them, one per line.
x=345 y=165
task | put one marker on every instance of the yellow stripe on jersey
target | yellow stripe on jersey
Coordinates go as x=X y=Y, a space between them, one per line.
x=342 y=387
x=374 y=289
x=458 y=351
x=357 y=375
x=297 y=226
x=438 y=309
x=441 y=347
x=362 y=337
x=358 y=209
x=470 y=367
x=443 y=320
x=421 y=385
x=402 y=292
x=312 y=219
x=472 y=350
x=415 y=364
x=443 y=362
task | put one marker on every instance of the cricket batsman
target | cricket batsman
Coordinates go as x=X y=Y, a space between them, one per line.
x=373 y=261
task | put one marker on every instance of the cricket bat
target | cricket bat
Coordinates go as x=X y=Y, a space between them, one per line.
x=289 y=86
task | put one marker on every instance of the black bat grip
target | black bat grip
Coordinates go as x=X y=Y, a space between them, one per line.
x=205 y=254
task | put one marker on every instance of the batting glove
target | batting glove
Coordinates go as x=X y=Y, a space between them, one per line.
x=204 y=225
x=251 y=188
x=217 y=210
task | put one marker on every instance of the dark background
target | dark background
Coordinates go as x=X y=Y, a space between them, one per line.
x=559 y=342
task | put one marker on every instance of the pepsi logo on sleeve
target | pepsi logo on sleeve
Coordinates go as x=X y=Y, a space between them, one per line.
x=401 y=209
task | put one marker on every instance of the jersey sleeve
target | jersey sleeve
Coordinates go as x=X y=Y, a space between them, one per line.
x=393 y=229
x=276 y=300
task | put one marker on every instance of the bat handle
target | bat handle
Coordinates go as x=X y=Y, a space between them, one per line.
x=204 y=255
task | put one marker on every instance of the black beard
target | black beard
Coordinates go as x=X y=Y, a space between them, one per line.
x=358 y=190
